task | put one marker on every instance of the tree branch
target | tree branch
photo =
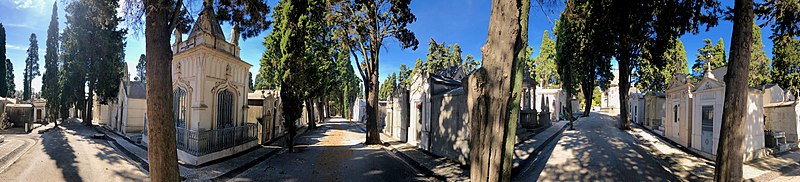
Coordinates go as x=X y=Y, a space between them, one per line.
x=175 y=16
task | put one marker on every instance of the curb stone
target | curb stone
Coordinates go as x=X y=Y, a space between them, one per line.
x=531 y=157
x=16 y=154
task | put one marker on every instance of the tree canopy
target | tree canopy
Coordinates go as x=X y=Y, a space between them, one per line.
x=3 y=69
x=650 y=77
x=31 y=67
x=543 y=67
x=365 y=25
x=141 y=71
x=50 y=86
x=710 y=53
x=388 y=87
x=784 y=20
x=760 y=64
x=97 y=66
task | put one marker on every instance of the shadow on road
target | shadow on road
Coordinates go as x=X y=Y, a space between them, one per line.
x=57 y=147
x=333 y=152
x=596 y=150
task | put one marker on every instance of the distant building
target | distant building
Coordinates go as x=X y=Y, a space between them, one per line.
x=654 y=111
x=609 y=101
x=781 y=118
x=125 y=114
x=636 y=105
x=39 y=111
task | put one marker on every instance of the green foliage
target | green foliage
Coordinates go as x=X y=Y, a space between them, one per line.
x=759 y=62
x=651 y=77
x=99 y=65
x=3 y=70
x=709 y=52
x=786 y=63
x=784 y=20
x=404 y=76
x=442 y=57
x=388 y=87
x=596 y=97
x=349 y=86
x=250 y=85
x=569 y=45
x=470 y=64
x=50 y=86
x=141 y=68
x=543 y=67
x=31 y=67
x=298 y=57
x=10 y=77
x=364 y=25
x=419 y=65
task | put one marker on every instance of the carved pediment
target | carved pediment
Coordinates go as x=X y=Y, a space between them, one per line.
x=709 y=83
x=677 y=81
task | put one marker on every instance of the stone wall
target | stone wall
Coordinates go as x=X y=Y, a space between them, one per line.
x=20 y=114
x=450 y=126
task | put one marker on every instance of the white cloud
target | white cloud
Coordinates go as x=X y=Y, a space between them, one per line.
x=23 y=25
x=16 y=47
x=25 y=4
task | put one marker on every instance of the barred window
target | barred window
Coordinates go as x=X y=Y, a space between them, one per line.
x=179 y=107
x=224 y=109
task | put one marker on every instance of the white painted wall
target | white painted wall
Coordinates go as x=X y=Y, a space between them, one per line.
x=679 y=129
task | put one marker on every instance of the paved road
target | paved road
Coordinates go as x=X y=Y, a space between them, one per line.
x=333 y=152
x=69 y=154
x=595 y=151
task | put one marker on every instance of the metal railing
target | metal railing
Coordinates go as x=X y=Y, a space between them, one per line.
x=205 y=142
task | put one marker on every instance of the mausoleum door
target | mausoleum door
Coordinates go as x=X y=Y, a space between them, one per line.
x=224 y=109
x=707 y=129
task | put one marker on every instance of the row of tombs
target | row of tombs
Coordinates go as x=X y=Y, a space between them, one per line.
x=214 y=111
x=690 y=115
x=431 y=113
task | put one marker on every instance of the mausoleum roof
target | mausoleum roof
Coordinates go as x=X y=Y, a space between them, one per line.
x=207 y=22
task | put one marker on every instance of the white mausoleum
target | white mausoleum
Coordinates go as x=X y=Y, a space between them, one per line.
x=709 y=97
x=210 y=94
x=678 y=108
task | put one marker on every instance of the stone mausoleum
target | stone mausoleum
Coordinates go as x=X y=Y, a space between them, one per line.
x=210 y=94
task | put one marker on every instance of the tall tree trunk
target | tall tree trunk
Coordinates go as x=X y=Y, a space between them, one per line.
x=162 y=155
x=371 y=89
x=320 y=110
x=310 y=114
x=493 y=95
x=326 y=107
x=89 y=105
x=291 y=113
x=624 y=86
x=730 y=149
x=588 y=88
x=75 y=110
x=343 y=108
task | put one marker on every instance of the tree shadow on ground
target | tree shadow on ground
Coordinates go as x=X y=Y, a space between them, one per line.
x=57 y=147
x=333 y=152
x=598 y=151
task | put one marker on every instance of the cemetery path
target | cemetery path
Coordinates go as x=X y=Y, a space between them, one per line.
x=595 y=151
x=333 y=152
x=69 y=153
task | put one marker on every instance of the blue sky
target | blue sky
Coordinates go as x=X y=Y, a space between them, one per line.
x=452 y=21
